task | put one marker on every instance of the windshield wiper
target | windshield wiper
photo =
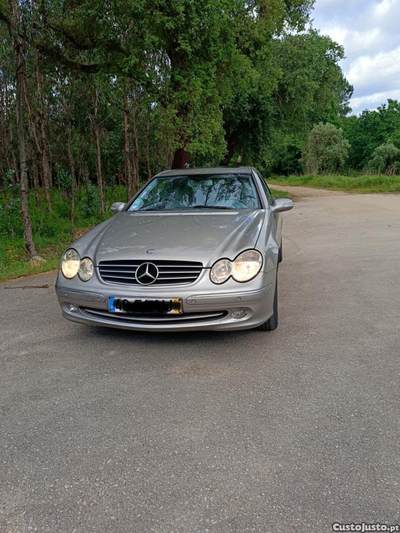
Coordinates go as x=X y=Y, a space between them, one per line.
x=185 y=208
x=209 y=207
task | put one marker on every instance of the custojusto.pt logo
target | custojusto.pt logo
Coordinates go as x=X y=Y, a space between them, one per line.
x=363 y=527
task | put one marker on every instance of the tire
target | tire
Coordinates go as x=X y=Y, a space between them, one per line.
x=280 y=254
x=272 y=322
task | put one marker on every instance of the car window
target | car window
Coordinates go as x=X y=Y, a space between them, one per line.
x=268 y=193
x=218 y=191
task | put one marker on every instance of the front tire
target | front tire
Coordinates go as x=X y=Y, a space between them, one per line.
x=272 y=322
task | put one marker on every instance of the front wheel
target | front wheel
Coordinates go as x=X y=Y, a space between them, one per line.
x=272 y=322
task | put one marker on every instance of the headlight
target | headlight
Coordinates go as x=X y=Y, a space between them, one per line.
x=221 y=271
x=247 y=265
x=70 y=263
x=86 y=269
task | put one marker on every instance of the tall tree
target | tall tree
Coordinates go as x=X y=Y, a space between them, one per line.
x=97 y=132
x=128 y=161
x=16 y=34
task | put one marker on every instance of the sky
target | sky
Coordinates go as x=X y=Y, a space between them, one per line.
x=369 y=30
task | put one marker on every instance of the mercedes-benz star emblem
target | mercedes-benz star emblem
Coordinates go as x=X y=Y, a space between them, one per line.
x=146 y=274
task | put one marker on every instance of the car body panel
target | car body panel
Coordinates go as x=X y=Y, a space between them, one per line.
x=204 y=236
x=201 y=236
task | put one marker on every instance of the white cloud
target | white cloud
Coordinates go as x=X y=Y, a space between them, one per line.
x=381 y=68
x=383 y=8
x=369 y=32
x=372 y=101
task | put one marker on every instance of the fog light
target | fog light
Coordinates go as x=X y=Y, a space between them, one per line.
x=239 y=313
x=72 y=308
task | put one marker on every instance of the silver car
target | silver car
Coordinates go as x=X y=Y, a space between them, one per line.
x=195 y=249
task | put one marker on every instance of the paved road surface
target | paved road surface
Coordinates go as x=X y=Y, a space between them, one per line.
x=108 y=431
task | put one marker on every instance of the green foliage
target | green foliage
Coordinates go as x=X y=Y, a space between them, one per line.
x=357 y=184
x=385 y=159
x=52 y=231
x=294 y=82
x=57 y=223
x=90 y=202
x=62 y=179
x=370 y=130
x=326 y=149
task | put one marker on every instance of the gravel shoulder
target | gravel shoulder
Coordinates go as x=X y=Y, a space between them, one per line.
x=307 y=192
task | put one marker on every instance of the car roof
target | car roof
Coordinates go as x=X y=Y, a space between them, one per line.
x=205 y=171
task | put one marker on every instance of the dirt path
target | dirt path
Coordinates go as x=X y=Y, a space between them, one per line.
x=306 y=192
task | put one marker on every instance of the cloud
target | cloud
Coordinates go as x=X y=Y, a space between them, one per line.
x=382 y=69
x=368 y=30
x=382 y=9
x=373 y=101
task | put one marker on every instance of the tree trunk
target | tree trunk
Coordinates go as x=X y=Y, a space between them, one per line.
x=73 y=179
x=128 y=168
x=231 y=141
x=20 y=79
x=2 y=173
x=15 y=176
x=136 y=183
x=181 y=159
x=36 y=183
x=96 y=128
x=148 y=147
x=45 y=152
x=35 y=143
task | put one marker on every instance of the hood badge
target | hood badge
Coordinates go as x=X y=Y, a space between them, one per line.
x=151 y=251
x=146 y=273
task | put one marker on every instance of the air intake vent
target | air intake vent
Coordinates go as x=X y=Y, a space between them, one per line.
x=166 y=273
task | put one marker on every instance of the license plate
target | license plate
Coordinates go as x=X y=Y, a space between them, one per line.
x=141 y=307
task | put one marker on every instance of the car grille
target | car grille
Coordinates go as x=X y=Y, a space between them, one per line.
x=154 y=320
x=170 y=272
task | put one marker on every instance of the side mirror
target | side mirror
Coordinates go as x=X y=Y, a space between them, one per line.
x=282 y=204
x=116 y=207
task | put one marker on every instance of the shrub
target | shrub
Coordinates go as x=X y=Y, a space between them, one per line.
x=326 y=149
x=91 y=202
x=385 y=159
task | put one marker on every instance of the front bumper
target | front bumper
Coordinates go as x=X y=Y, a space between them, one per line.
x=205 y=306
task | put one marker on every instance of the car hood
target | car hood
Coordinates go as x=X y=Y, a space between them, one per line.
x=203 y=237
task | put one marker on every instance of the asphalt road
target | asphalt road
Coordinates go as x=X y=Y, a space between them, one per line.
x=289 y=431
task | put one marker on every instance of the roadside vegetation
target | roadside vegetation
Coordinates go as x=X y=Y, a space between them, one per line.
x=91 y=104
x=53 y=231
x=357 y=184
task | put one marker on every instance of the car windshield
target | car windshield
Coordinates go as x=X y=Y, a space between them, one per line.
x=218 y=191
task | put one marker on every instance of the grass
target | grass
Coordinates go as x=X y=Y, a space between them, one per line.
x=279 y=194
x=359 y=184
x=51 y=231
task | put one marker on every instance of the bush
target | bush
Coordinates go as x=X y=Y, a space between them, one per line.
x=385 y=159
x=326 y=149
x=91 y=202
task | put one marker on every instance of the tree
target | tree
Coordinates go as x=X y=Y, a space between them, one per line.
x=293 y=84
x=326 y=149
x=371 y=129
x=385 y=159
x=16 y=32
